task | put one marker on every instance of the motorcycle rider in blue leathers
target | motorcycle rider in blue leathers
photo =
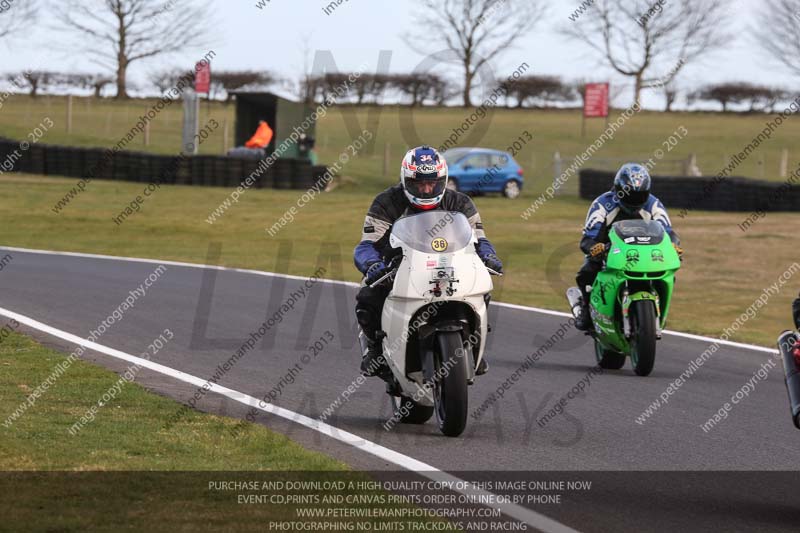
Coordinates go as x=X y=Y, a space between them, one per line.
x=629 y=199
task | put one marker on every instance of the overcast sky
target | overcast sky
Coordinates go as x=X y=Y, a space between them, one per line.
x=246 y=37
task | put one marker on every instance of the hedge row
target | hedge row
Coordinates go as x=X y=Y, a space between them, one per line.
x=219 y=171
x=703 y=193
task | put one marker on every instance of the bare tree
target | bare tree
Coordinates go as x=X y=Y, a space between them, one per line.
x=165 y=79
x=362 y=87
x=670 y=91
x=336 y=83
x=544 y=90
x=117 y=33
x=652 y=42
x=36 y=81
x=17 y=16
x=443 y=90
x=477 y=31
x=758 y=97
x=310 y=88
x=778 y=32
x=97 y=82
x=419 y=86
x=81 y=80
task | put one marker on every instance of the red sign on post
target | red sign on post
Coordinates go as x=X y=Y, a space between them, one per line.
x=202 y=77
x=595 y=101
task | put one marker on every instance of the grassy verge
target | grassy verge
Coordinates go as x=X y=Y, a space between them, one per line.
x=724 y=272
x=128 y=433
x=124 y=471
x=713 y=137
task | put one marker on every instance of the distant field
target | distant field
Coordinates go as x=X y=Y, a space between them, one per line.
x=713 y=137
x=724 y=272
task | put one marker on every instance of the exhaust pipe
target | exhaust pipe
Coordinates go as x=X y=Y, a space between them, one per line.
x=791 y=370
x=574 y=298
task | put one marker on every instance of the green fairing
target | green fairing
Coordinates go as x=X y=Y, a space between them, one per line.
x=636 y=262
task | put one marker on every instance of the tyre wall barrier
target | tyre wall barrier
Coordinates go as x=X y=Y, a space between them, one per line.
x=205 y=170
x=705 y=193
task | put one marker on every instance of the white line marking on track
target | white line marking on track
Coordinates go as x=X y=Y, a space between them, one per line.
x=517 y=512
x=692 y=336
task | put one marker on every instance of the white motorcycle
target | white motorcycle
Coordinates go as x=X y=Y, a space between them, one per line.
x=434 y=321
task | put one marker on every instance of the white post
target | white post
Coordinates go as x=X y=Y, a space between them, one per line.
x=557 y=165
x=784 y=162
x=191 y=125
x=69 y=114
x=385 y=159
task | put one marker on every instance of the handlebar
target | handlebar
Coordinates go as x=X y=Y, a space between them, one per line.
x=392 y=270
x=389 y=274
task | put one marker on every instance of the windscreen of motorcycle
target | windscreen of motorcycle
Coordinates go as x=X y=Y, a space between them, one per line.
x=639 y=231
x=434 y=231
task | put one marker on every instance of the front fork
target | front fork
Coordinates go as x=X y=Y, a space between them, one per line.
x=428 y=340
x=627 y=301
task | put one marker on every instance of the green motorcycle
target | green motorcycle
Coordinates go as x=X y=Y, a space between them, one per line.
x=630 y=298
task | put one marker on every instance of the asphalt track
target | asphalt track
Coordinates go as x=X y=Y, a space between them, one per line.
x=663 y=474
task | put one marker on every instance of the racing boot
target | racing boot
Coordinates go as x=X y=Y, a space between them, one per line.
x=584 y=320
x=372 y=361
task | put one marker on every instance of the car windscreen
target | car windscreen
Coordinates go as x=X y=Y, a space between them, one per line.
x=641 y=231
x=454 y=154
x=434 y=231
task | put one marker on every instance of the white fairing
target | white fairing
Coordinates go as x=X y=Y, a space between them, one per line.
x=420 y=236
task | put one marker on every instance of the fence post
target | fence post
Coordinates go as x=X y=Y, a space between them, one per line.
x=386 y=159
x=147 y=134
x=69 y=114
x=225 y=136
x=784 y=162
x=690 y=165
x=556 y=165
x=191 y=112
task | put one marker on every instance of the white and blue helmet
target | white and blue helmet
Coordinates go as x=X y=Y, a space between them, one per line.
x=632 y=186
x=423 y=175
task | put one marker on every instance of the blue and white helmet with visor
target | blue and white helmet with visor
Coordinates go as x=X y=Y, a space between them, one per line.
x=423 y=175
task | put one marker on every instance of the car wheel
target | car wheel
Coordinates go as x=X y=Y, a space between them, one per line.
x=511 y=189
x=452 y=184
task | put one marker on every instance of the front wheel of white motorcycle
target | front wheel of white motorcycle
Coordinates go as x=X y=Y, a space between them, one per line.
x=450 y=389
x=410 y=412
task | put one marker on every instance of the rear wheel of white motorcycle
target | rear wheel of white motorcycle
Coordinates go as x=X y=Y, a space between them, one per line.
x=450 y=390
x=608 y=359
x=410 y=412
x=643 y=343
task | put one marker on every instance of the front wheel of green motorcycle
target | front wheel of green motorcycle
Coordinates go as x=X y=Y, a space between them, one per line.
x=643 y=343
x=608 y=359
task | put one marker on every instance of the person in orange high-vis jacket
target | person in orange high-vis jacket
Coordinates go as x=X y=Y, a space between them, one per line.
x=262 y=136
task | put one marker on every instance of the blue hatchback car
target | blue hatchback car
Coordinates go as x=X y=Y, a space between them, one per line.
x=482 y=170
